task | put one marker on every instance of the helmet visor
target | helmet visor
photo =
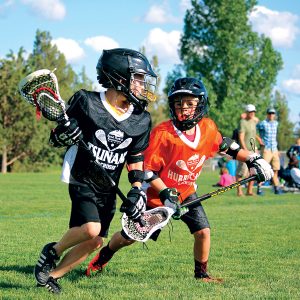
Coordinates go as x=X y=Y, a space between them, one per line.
x=143 y=86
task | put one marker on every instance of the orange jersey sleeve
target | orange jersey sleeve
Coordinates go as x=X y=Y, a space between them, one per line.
x=177 y=160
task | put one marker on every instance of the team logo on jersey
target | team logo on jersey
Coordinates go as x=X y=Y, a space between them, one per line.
x=191 y=166
x=114 y=140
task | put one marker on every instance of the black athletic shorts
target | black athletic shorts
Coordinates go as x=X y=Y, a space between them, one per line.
x=90 y=206
x=195 y=218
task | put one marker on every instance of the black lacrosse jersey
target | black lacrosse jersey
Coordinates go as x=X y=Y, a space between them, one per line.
x=109 y=136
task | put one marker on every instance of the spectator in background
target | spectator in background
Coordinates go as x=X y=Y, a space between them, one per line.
x=267 y=130
x=228 y=163
x=225 y=178
x=294 y=163
x=293 y=167
x=294 y=151
x=247 y=133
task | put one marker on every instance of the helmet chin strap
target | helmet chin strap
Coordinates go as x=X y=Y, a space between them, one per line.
x=185 y=126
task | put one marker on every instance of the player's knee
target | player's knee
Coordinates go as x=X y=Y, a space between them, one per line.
x=202 y=234
x=91 y=230
x=96 y=243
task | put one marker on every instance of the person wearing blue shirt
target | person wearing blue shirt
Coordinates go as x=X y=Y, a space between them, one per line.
x=267 y=130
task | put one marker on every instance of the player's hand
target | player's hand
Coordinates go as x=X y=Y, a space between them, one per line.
x=135 y=204
x=259 y=167
x=66 y=134
x=169 y=197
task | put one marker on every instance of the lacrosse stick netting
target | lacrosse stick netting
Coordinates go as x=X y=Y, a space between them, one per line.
x=153 y=220
x=40 y=89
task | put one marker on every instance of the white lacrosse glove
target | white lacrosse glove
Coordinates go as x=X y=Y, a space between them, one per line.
x=259 y=167
x=66 y=134
x=169 y=198
x=135 y=204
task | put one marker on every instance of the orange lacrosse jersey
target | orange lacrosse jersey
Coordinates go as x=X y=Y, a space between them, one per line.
x=177 y=160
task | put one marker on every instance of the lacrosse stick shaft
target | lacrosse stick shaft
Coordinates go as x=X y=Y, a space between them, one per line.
x=218 y=191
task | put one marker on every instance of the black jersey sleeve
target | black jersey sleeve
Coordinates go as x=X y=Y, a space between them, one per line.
x=76 y=105
x=142 y=142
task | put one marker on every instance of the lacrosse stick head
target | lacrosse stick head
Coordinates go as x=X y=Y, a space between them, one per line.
x=40 y=89
x=152 y=220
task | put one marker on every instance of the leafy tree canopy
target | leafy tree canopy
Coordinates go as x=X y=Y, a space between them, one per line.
x=23 y=139
x=237 y=65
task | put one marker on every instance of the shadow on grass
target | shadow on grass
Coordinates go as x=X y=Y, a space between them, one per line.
x=76 y=274
x=20 y=269
x=4 y=285
x=28 y=270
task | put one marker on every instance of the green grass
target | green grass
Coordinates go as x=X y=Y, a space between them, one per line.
x=255 y=247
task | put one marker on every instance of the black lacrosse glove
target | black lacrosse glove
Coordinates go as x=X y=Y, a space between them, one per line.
x=66 y=134
x=169 y=198
x=259 y=167
x=135 y=204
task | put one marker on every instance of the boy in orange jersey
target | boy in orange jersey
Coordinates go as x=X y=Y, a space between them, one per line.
x=173 y=161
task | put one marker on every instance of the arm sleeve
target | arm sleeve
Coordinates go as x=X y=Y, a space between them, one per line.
x=242 y=126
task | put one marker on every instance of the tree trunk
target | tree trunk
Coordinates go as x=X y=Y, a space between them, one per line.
x=4 y=160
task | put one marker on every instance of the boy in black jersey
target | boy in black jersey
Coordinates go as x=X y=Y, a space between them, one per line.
x=116 y=128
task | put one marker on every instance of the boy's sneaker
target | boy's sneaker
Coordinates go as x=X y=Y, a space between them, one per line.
x=259 y=192
x=45 y=264
x=206 y=278
x=96 y=265
x=278 y=191
x=51 y=285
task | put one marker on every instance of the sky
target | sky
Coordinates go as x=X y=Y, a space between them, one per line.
x=81 y=29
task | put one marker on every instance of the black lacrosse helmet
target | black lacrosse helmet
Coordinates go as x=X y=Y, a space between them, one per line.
x=116 y=68
x=188 y=86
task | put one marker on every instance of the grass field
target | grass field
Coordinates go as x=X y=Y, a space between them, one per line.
x=255 y=247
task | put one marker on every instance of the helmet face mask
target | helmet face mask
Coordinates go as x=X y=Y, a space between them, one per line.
x=129 y=72
x=188 y=102
x=143 y=86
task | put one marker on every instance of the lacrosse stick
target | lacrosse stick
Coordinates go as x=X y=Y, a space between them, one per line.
x=158 y=217
x=40 y=89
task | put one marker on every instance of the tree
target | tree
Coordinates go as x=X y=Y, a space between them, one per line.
x=46 y=56
x=14 y=131
x=158 y=109
x=238 y=66
x=82 y=81
x=23 y=139
x=285 y=128
x=297 y=129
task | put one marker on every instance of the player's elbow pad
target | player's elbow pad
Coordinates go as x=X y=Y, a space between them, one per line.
x=229 y=147
x=150 y=176
x=136 y=176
